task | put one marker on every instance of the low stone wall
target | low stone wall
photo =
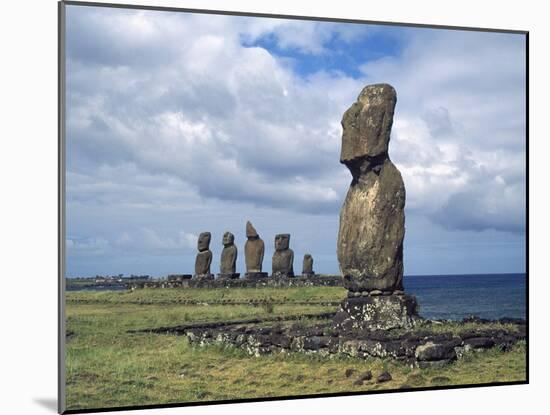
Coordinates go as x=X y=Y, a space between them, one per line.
x=327 y=281
x=421 y=347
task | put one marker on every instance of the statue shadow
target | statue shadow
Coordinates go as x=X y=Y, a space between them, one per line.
x=48 y=403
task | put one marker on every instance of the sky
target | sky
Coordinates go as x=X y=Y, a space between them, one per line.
x=181 y=123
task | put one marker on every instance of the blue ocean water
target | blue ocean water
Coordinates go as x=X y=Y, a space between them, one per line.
x=454 y=297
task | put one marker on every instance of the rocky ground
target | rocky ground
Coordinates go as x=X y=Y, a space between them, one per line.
x=430 y=343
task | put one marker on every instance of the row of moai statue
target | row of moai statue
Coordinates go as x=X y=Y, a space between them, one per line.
x=282 y=261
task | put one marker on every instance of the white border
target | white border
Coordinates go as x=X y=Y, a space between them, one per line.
x=29 y=209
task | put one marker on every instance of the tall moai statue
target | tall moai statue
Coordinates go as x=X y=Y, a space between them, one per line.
x=253 y=253
x=307 y=268
x=228 y=260
x=372 y=218
x=204 y=257
x=283 y=257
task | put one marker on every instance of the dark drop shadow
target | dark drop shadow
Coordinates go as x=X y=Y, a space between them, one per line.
x=48 y=403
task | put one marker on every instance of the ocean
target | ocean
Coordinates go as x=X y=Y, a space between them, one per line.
x=453 y=297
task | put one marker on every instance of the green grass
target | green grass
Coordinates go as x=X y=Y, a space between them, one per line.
x=174 y=296
x=108 y=367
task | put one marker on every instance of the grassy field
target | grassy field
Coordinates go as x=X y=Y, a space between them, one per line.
x=108 y=367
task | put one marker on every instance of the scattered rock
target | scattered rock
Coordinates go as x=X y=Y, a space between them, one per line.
x=366 y=376
x=358 y=382
x=349 y=372
x=383 y=377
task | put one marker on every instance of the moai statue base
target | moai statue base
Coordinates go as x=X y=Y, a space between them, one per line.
x=365 y=311
x=231 y=276
x=204 y=276
x=255 y=275
x=282 y=274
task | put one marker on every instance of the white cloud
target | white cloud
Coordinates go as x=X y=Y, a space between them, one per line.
x=87 y=247
x=460 y=125
x=174 y=113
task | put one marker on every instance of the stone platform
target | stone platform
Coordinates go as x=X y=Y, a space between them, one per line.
x=255 y=275
x=247 y=282
x=427 y=345
x=229 y=276
x=379 y=312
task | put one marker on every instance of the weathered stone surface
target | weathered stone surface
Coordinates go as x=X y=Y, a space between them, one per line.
x=228 y=260
x=250 y=280
x=253 y=250
x=231 y=276
x=423 y=348
x=283 y=257
x=366 y=376
x=435 y=351
x=204 y=256
x=256 y=275
x=376 y=312
x=307 y=268
x=384 y=377
x=372 y=220
x=480 y=342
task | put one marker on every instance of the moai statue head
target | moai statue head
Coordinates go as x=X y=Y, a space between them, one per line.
x=251 y=231
x=282 y=241
x=203 y=243
x=367 y=125
x=228 y=239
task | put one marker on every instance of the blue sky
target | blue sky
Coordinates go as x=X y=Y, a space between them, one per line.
x=180 y=123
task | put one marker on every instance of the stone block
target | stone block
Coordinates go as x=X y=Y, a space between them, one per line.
x=376 y=313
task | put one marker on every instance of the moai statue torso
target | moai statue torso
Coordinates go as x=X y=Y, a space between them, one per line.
x=253 y=250
x=307 y=269
x=228 y=260
x=283 y=257
x=372 y=219
x=204 y=256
